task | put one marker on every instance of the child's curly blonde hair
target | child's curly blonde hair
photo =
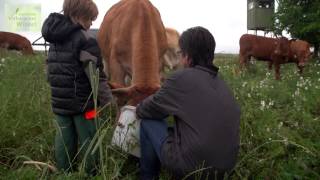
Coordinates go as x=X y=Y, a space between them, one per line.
x=83 y=9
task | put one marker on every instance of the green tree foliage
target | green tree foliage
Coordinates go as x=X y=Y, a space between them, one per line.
x=301 y=18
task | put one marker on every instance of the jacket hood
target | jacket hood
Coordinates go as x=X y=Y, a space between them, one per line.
x=57 y=28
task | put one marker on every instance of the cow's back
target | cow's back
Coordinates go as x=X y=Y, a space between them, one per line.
x=133 y=34
x=15 y=41
x=257 y=46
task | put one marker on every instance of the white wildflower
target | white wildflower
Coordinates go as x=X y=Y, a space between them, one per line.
x=271 y=103
x=2 y=60
x=280 y=125
x=244 y=84
x=268 y=129
x=286 y=141
x=263 y=104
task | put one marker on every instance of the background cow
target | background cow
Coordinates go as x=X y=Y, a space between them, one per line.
x=275 y=51
x=132 y=39
x=171 y=57
x=12 y=41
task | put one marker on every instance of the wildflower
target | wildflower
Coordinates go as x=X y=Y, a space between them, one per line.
x=286 y=141
x=271 y=103
x=249 y=96
x=263 y=104
x=244 y=84
x=270 y=139
x=2 y=60
x=280 y=125
x=268 y=129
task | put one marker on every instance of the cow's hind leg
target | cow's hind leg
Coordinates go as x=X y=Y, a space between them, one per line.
x=277 y=71
x=270 y=63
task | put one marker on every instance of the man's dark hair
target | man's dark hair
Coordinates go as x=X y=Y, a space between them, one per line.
x=199 y=44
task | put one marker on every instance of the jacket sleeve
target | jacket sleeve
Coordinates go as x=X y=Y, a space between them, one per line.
x=164 y=102
x=90 y=52
x=104 y=91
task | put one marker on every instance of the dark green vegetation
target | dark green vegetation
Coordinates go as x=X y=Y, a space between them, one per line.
x=280 y=122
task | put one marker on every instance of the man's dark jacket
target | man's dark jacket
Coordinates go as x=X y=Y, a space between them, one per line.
x=206 y=130
x=71 y=50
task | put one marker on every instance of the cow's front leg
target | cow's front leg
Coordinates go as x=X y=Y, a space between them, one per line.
x=300 y=69
x=277 y=71
x=270 y=63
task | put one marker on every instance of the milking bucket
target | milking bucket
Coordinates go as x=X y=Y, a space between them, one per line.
x=126 y=135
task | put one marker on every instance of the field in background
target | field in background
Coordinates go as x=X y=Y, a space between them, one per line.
x=280 y=122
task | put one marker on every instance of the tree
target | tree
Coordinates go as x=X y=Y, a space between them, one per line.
x=300 y=18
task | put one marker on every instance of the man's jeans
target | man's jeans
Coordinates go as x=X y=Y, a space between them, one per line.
x=152 y=135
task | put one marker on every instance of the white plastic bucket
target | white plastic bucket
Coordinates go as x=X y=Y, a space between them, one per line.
x=127 y=133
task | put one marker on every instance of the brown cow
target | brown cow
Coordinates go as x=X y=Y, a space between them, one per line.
x=275 y=51
x=132 y=39
x=14 y=41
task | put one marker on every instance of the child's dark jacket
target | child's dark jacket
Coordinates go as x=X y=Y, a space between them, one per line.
x=71 y=50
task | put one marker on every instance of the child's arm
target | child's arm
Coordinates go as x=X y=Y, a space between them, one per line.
x=86 y=56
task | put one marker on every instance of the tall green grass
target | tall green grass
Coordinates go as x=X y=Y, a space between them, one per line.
x=280 y=122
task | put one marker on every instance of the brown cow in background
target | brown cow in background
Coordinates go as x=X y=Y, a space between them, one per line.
x=132 y=39
x=171 y=57
x=275 y=51
x=12 y=41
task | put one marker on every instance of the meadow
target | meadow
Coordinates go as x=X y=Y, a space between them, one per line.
x=280 y=122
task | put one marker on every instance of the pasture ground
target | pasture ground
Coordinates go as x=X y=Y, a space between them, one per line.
x=280 y=122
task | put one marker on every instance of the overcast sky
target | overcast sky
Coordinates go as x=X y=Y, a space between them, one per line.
x=225 y=19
